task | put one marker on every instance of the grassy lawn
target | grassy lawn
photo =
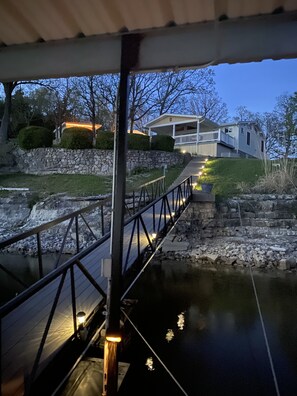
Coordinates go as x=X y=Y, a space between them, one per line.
x=80 y=185
x=228 y=174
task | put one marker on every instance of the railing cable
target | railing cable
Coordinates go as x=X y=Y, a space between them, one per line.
x=262 y=320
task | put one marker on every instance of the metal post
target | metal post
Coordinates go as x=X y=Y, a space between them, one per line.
x=129 y=58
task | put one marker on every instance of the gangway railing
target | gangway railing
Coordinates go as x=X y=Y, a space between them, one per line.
x=76 y=220
x=40 y=321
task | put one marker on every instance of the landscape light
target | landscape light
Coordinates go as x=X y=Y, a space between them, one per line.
x=81 y=318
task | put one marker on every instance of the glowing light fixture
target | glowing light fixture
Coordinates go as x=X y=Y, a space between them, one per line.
x=114 y=338
x=184 y=199
x=154 y=235
x=200 y=173
x=184 y=151
x=81 y=318
x=172 y=214
x=202 y=167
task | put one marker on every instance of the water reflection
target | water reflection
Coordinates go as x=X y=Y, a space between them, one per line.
x=221 y=349
x=25 y=268
x=150 y=364
x=181 y=321
x=169 y=335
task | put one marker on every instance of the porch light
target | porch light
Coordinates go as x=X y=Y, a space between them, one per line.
x=172 y=214
x=81 y=318
x=184 y=200
x=154 y=235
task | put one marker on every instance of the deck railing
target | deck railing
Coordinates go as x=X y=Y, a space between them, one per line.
x=37 y=323
x=204 y=137
x=75 y=221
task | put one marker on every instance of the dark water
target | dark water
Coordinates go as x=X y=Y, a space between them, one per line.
x=221 y=349
x=26 y=269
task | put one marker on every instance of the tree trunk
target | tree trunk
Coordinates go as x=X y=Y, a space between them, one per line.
x=8 y=88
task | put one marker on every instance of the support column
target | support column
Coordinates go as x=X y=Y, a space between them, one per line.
x=197 y=137
x=129 y=57
x=173 y=131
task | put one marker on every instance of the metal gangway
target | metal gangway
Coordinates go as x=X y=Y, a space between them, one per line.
x=38 y=323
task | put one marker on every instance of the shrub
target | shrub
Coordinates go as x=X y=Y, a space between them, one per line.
x=105 y=140
x=138 y=142
x=162 y=142
x=34 y=136
x=77 y=138
x=280 y=178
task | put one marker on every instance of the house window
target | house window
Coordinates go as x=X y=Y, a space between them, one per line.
x=241 y=130
x=262 y=146
x=248 y=138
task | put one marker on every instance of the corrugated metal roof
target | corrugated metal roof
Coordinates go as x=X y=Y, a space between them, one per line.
x=29 y=21
x=60 y=38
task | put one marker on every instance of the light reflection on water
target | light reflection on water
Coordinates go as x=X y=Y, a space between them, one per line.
x=26 y=269
x=221 y=350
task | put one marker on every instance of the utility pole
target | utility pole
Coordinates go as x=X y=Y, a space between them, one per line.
x=129 y=59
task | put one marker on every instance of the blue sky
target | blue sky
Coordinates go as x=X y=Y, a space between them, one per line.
x=255 y=85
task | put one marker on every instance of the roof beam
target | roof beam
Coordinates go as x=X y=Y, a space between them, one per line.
x=228 y=41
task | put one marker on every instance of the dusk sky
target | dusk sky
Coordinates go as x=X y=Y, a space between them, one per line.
x=255 y=85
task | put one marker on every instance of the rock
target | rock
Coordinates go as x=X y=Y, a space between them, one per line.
x=283 y=264
x=211 y=257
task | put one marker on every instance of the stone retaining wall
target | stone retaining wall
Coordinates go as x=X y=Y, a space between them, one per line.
x=260 y=230
x=43 y=161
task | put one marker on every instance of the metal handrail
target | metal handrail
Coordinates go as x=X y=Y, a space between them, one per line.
x=146 y=247
x=143 y=198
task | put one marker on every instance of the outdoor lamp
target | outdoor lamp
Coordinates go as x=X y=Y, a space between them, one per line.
x=82 y=330
x=81 y=318
x=154 y=235
x=172 y=214
x=113 y=336
x=184 y=199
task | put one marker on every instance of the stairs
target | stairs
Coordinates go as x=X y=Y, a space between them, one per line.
x=192 y=169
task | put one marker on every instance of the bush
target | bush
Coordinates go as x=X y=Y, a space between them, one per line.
x=105 y=140
x=162 y=142
x=77 y=138
x=138 y=142
x=34 y=136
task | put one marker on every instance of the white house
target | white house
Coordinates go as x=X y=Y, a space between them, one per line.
x=201 y=136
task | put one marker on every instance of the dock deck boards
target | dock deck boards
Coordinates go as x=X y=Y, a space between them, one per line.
x=22 y=329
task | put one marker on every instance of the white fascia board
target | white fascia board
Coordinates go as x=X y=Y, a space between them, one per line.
x=190 y=46
x=191 y=117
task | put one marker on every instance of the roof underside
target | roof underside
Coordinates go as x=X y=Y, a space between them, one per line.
x=49 y=38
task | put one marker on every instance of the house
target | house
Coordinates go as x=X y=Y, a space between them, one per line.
x=58 y=132
x=201 y=136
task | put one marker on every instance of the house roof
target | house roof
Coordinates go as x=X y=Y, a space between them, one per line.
x=191 y=117
x=73 y=37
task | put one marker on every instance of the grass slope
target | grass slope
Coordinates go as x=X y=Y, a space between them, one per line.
x=228 y=174
x=81 y=185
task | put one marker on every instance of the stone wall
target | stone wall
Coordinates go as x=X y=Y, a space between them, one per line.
x=260 y=230
x=43 y=161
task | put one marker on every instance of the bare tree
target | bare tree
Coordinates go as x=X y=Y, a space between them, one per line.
x=209 y=105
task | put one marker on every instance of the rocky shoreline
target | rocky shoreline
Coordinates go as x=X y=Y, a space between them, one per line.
x=250 y=230
x=256 y=230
